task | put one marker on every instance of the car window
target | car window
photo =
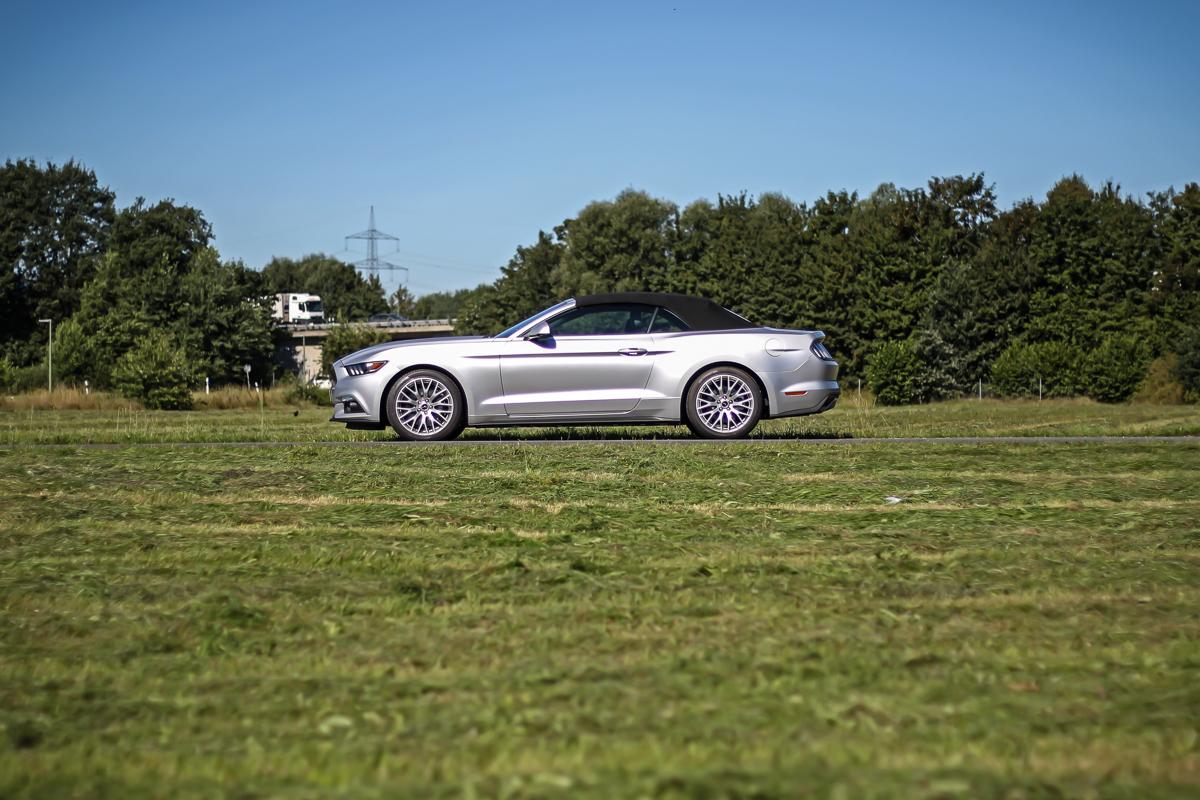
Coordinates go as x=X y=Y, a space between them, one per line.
x=666 y=322
x=612 y=318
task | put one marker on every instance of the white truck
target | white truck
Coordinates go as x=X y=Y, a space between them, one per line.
x=297 y=308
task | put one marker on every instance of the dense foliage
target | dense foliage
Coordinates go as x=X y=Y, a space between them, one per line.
x=54 y=223
x=926 y=292
x=968 y=287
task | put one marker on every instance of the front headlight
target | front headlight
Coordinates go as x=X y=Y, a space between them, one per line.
x=364 y=368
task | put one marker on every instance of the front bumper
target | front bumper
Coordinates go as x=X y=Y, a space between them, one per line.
x=355 y=398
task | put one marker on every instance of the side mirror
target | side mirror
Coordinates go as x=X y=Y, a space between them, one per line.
x=538 y=332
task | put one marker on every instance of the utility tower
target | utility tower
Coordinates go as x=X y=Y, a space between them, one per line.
x=372 y=264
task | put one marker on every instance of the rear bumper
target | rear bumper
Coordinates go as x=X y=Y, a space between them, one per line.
x=814 y=400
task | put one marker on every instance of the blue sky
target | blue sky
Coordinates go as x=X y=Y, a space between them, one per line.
x=470 y=126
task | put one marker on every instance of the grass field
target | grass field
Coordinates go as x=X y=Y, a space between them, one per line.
x=603 y=620
x=852 y=418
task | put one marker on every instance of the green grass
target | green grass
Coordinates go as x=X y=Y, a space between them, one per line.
x=603 y=620
x=849 y=419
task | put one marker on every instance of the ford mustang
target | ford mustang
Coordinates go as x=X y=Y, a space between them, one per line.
x=608 y=359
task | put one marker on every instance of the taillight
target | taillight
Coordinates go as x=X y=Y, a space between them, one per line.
x=821 y=351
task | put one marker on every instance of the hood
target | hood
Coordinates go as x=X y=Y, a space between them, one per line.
x=368 y=352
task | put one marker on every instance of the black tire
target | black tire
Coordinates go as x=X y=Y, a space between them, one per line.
x=731 y=414
x=435 y=388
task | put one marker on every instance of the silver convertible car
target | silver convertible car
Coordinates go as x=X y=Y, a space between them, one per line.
x=609 y=359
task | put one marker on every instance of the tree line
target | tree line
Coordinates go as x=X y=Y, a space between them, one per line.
x=923 y=292
x=926 y=293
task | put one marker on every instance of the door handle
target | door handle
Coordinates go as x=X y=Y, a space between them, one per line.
x=632 y=351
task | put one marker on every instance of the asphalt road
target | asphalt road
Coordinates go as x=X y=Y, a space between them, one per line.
x=517 y=442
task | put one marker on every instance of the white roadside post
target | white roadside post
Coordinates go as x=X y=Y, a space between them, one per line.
x=50 y=357
x=87 y=389
x=206 y=391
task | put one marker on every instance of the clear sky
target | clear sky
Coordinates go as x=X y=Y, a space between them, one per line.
x=472 y=125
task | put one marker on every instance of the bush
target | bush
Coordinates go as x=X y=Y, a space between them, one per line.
x=17 y=380
x=72 y=353
x=345 y=339
x=1015 y=373
x=1188 y=367
x=894 y=373
x=1161 y=385
x=306 y=393
x=1113 y=371
x=156 y=372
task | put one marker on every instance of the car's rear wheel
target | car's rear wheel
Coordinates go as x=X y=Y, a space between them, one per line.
x=723 y=403
x=425 y=405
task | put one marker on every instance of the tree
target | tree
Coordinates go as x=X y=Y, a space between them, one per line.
x=441 y=305
x=1175 y=294
x=345 y=339
x=160 y=276
x=402 y=302
x=346 y=295
x=54 y=224
x=618 y=245
x=157 y=372
x=525 y=286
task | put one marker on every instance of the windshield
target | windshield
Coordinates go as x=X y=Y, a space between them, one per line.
x=311 y=305
x=510 y=331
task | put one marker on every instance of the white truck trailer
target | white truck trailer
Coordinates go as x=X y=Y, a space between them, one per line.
x=295 y=308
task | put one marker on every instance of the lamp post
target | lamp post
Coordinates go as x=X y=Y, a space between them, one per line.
x=50 y=357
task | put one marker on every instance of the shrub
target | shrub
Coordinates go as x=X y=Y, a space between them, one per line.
x=1015 y=373
x=345 y=339
x=305 y=394
x=72 y=352
x=1161 y=385
x=156 y=372
x=894 y=373
x=1113 y=371
x=1188 y=367
x=941 y=368
x=22 y=379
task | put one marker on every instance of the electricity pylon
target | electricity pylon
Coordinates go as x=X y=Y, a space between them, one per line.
x=372 y=264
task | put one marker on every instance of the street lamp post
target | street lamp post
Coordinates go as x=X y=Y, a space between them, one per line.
x=50 y=357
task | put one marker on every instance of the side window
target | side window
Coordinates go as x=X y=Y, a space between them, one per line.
x=666 y=322
x=615 y=318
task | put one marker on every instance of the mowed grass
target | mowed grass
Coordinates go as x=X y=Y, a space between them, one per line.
x=602 y=620
x=855 y=417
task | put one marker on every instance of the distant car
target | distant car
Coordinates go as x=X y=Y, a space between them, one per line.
x=609 y=359
x=387 y=318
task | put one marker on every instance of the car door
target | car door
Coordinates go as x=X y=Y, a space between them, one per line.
x=596 y=361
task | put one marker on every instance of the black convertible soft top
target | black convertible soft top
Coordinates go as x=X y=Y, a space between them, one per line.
x=696 y=312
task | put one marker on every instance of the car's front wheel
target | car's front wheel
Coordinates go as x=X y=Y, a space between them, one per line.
x=425 y=406
x=724 y=403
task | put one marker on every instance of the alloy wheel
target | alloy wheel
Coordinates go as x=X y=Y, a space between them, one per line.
x=424 y=406
x=725 y=403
